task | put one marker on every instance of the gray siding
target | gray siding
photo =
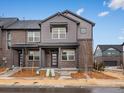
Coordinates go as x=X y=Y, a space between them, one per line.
x=46 y=36
x=83 y=24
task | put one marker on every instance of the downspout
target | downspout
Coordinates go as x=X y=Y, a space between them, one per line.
x=0 y=38
x=123 y=56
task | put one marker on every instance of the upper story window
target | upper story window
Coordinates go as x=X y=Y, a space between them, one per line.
x=33 y=36
x=111 y=52
x=83 y=30
x=8 y=39
x=59 y=32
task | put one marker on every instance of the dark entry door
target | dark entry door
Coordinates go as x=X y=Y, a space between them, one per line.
x=21 y=58
x=54 y=59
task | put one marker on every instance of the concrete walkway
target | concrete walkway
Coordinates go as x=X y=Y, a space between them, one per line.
x=114 y=74
x=10 y=72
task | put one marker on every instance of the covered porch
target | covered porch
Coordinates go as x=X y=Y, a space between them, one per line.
x=46 y=55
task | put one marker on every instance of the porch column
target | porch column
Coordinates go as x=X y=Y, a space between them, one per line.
x=40 y=57
x=59 y=57
x=23 y=58
x=77 y=56
x=12 y=56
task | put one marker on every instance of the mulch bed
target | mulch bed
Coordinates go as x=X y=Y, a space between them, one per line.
x=78 y=75
x=2 y=69
x=25 y=73
x=97 y=75
x=32 y=73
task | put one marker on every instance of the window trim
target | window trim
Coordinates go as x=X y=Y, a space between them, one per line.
x=9 y=39
x=83 y=32
x=67 y=50
x=33 y=55
x=34 y=36
x=59 y=33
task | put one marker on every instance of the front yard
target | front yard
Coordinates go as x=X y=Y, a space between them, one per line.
x=30 y=72
x=31 y=77
x=33 y=73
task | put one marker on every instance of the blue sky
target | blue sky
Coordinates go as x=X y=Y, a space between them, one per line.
x=107 y=14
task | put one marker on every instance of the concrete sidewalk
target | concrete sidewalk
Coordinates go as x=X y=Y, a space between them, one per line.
x=61 y=82
x=10 y=72
x=114 y=74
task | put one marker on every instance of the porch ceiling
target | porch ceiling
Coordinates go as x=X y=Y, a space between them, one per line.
x=58 y=44
x=46 y=45
x=24 y=45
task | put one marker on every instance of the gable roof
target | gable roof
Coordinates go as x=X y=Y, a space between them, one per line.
x=4 y=22
x=59 y=14
x=105 y=47
x=25 y=24
x=67 y=11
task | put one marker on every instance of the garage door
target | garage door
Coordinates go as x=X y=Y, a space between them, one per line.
x=110 y=63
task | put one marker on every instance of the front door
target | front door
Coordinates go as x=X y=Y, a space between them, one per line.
x=54 y=59
x=20 y=58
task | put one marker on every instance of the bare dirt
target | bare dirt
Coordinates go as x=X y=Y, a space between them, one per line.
x=32 y=73
x=2 y=69
x=97 y=75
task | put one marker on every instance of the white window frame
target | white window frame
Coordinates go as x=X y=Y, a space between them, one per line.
x=33 y=36
x=33 y=51
x=68 y=54
x=59 y=33
x=83 y=32
x=9 y=38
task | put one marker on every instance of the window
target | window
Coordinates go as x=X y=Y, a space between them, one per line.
x=111 y=52
x=58 y=32
x=33 y=55
x=33 y=36
x=8 y=39
x=83 y=30
x=68 y=55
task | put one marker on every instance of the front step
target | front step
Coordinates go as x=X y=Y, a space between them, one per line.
x=63 y=71
x=67 y=71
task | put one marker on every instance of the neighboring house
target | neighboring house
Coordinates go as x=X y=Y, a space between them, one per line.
x=4 y=22
x=110 y=55
x=63 y=40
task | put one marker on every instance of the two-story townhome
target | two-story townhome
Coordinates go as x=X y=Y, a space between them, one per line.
x=110 y=55
x=4 y=22
x=63 y=40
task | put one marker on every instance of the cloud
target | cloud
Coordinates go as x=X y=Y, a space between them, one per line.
x=79 y=11
x=121 y=37
x=104 y=3
x=116 y=4
x=103 y=13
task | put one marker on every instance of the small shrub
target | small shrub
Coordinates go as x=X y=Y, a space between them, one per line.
x=99 y=66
